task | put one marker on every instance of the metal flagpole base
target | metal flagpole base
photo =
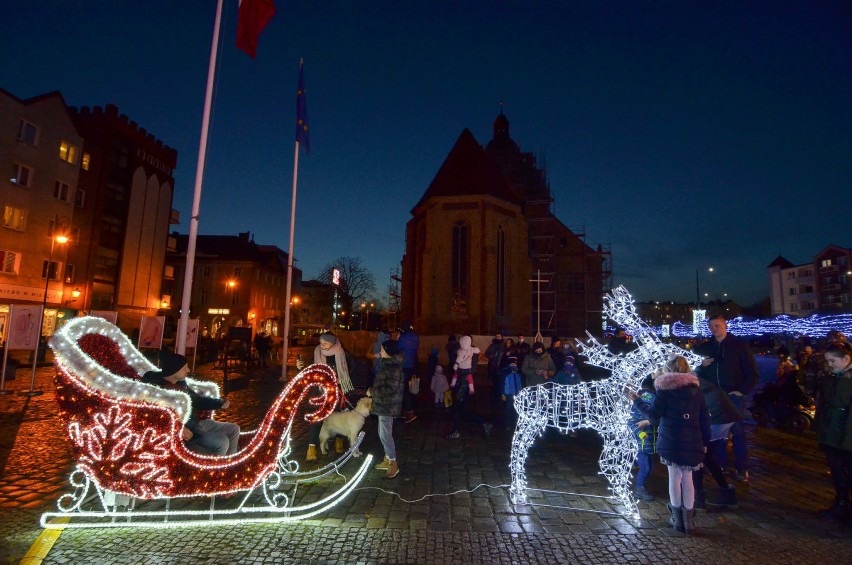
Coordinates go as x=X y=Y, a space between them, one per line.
x=31 y=393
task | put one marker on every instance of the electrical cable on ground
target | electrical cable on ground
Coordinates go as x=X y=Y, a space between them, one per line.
x=435 y=494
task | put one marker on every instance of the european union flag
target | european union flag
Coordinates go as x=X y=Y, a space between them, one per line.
x=302 y=134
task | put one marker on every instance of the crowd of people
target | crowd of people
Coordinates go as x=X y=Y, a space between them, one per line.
x=685 y=416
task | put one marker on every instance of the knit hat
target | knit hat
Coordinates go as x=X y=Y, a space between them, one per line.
x=391 y=347
x=538 y=346
x=328 y=338
x=171 y=363
x=512 y=359
x=569 y=360
x=406 y=326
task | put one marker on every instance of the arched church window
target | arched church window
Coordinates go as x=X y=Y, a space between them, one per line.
x=501 y=271
x=460 y=264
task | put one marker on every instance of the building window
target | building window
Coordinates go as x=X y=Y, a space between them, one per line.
x=791 y=275
x=501 y=271
x=14 y=218
x=80 y=198
x=85 y=161
x=67 y=152
x=22 y=175
x=826 y=263
x=74 y=235
x=793 y=292
x=27 y=132
x=61 y=191
x=237 y=272
x=204 y=296
x=54 y=269
x=460 y=263
x=10 y=262
x=842 y=260
x=69 y=274
x=235 y=298
x=205 y=271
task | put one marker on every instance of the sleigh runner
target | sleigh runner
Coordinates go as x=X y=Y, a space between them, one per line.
x=132 y=467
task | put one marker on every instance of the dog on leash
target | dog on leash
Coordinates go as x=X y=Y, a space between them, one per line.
x=347 y=423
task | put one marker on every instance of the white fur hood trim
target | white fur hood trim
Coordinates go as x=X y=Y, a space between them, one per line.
x=671 y=381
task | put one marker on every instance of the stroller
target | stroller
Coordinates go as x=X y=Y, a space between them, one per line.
x=785 y=403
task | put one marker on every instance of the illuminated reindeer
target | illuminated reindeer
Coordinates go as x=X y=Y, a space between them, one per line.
x=602 y=405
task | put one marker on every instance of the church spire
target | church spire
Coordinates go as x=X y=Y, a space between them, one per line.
x=501 y=126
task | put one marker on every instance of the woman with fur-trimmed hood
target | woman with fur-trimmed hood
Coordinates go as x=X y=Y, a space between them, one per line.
x=683 y=433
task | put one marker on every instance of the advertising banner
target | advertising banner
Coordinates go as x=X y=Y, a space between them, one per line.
x=192 y=333
x=24 y=326
x=151 y=331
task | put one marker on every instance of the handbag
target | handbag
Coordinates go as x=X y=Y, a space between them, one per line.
x=448 y=398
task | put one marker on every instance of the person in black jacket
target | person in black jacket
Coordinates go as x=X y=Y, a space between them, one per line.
x=387 y=402
x=205 y=436
x=729 y=364
x=683 y=433
x=723 y=415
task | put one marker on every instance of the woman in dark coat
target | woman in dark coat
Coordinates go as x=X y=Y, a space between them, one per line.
x=683 y=433
x=387 y=402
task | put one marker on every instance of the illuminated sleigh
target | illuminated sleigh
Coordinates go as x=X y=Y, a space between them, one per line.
x=132 y=467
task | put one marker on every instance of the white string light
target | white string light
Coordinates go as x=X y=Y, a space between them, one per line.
x=600 y=405
x=815 y=325
x=125 y=438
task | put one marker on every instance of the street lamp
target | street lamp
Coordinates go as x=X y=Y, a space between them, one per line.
x=697 y=290
x=55 y=237
x=75 y=294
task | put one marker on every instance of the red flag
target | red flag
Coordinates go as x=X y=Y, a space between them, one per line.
x=252 y=17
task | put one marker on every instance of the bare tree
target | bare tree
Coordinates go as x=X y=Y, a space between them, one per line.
x=356 y=281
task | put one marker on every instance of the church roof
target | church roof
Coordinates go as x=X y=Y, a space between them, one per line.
x=468 y=171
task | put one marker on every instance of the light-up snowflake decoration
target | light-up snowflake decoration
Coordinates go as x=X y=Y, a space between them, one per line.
x=601 y=405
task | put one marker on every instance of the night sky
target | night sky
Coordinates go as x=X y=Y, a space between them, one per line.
x=683 y=134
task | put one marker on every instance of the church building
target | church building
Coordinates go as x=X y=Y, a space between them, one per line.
x=485 y=253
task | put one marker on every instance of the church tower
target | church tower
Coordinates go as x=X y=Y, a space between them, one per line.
x=483 y=231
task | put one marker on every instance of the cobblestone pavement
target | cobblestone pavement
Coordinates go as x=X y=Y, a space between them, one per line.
x=775 y=521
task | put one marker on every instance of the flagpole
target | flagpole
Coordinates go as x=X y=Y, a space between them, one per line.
x=290 y=267
x=180 y=345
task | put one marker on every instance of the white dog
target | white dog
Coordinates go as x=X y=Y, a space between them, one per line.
x=347 y=424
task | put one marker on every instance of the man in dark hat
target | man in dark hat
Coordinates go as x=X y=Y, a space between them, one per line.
x=205 y=436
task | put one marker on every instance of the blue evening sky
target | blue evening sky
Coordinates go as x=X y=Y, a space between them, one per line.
x=684 y=134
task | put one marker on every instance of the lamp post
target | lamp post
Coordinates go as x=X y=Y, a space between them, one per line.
x=697 y=289
x=75 y=294
x=232 y=292
x=55 y=237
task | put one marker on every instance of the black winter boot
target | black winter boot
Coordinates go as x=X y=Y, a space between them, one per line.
x=838 y=511
x=688 y=520
x=677 y=518
x=700 y=499
x=727 y=497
